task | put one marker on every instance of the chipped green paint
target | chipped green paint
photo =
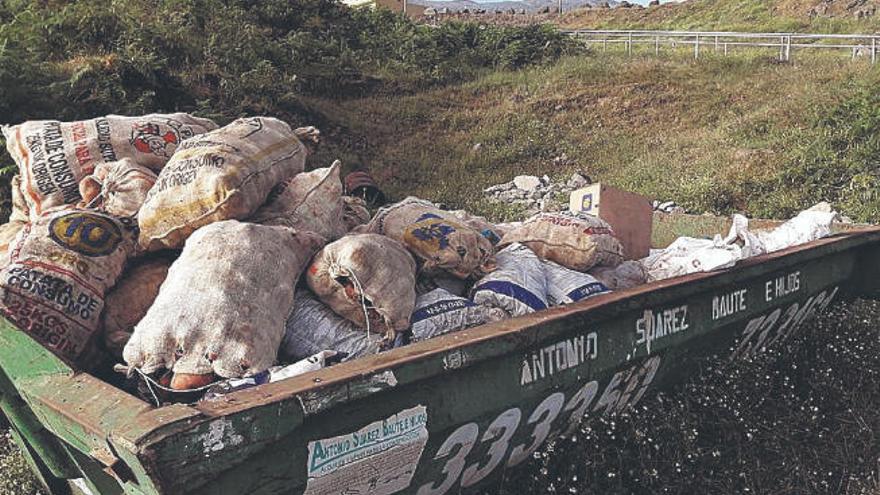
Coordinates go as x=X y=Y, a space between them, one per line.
x=492 y=393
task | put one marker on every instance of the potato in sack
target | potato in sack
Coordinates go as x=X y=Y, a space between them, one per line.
x=574 y=240
x=368 y=279
x=119 y=188
x=131 y=297
x=221 y=175
x=439 y=240
x=354 y=212
x=60 y=268
x=54 y=156
x=221 y=309
x=309 y=201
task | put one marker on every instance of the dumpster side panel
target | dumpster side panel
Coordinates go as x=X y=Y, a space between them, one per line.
x=470 y=404
x=485 y=416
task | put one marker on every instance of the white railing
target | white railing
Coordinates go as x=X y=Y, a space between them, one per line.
x=722 y=41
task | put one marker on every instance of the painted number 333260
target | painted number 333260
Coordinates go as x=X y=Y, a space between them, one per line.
x=624 y=390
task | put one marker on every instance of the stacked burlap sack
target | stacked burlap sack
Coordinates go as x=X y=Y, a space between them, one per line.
x=178 y=245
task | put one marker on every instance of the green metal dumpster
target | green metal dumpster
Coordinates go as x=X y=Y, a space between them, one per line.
x=441 y=416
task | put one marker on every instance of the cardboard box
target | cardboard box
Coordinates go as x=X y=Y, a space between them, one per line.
x=629 y=214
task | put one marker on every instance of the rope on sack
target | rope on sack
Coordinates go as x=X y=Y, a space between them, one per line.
x=150 y=382
x=360 y=288
x=335 y=269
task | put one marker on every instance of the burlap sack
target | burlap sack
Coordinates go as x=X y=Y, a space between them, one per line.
x=223 y=304
x=310 y=201
x=366 y=276
x=8 y=231
x=439 y=312
x=488 y=229
x=313 y=327
x=119 y=188
x=565 y=286
x=354 y=212
x=61 y=266
x=436 y=238
x=128 y=302
x=224 y=174
x=19 y=205
x=576 y=241
x=623 y=276
x=54 y=156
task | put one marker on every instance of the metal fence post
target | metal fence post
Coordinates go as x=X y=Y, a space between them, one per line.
x=873 y=49
x=716 y=43
x=725 y=48
x=788 y=48
x=629 y=44
x=697 y=48
x=782 y=48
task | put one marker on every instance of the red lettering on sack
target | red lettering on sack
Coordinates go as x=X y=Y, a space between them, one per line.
x=78 y=131
x=83 y=156
x=598 y=231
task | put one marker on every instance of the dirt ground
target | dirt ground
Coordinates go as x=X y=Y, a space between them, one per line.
x=798 y=420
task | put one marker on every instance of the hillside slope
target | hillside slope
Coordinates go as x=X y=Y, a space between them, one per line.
x=721 y=135
x=837 y=16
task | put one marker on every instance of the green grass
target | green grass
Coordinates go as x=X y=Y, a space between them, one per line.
x=730 y=15
x=721 y=134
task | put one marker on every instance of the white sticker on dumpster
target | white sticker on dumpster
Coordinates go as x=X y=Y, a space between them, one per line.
x=380 y=458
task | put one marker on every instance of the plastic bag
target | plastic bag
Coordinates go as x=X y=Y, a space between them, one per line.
x=807 y=226
x=273 y=374
x=313 y=327
x=623 y=276
x=566 y=286
x=439 y=312
x=689 y=255
x=518 y=285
